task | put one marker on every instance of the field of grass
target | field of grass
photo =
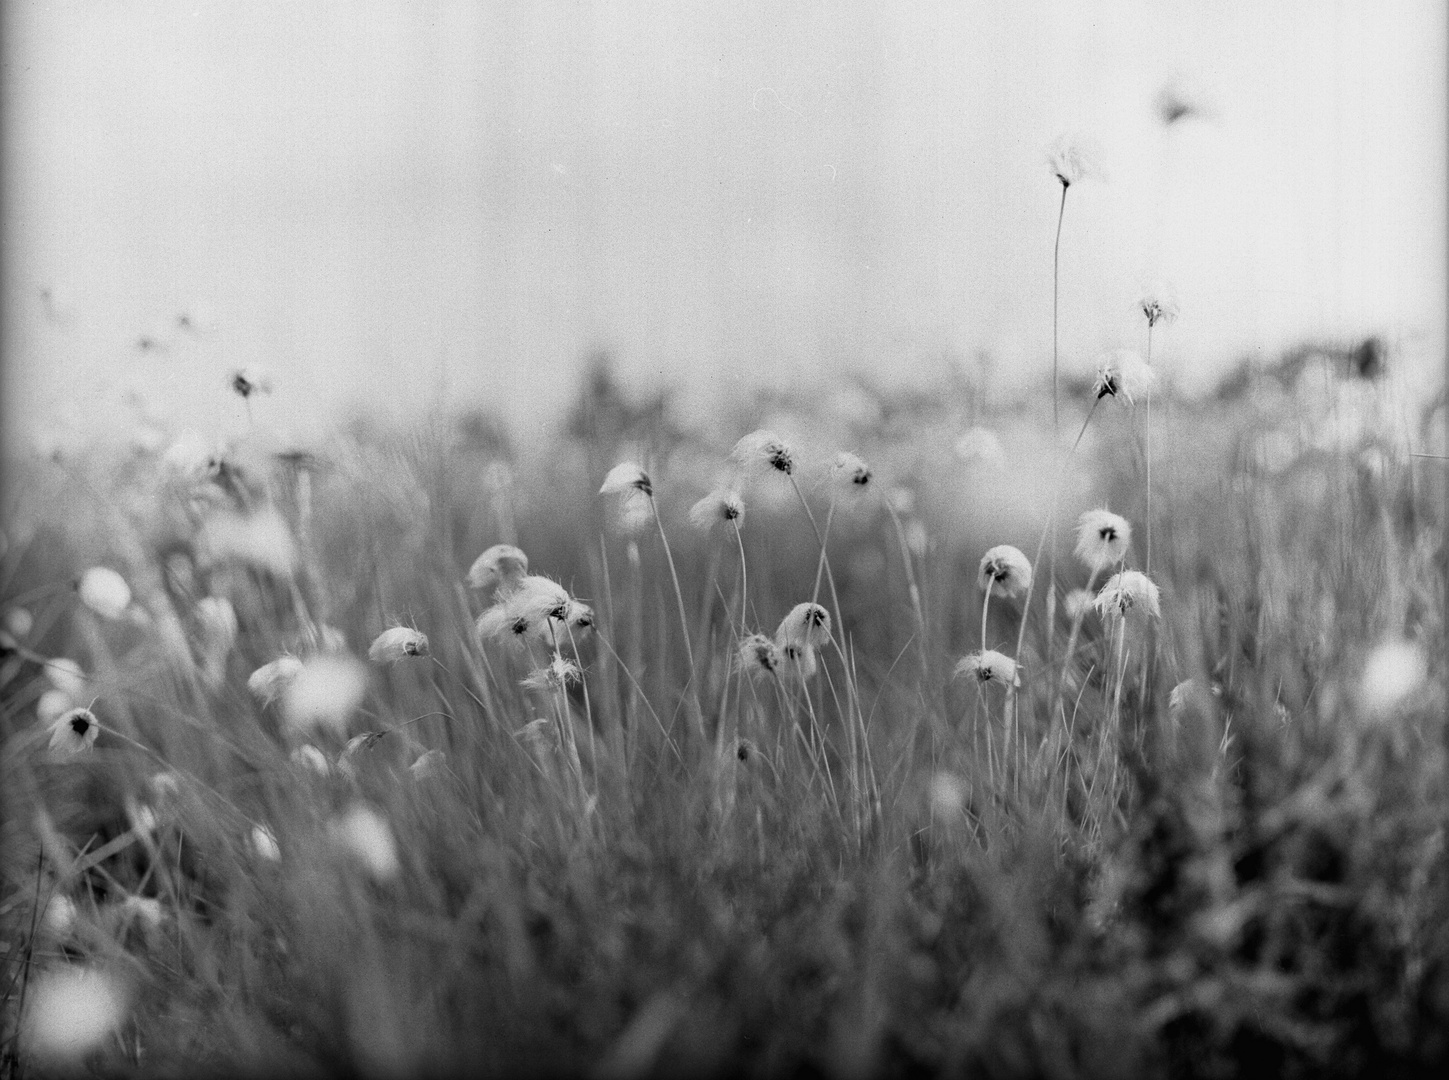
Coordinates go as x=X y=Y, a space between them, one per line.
x=613 y=843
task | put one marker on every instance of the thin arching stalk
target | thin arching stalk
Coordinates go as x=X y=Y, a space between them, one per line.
x=683 y=617
x=1147 y=436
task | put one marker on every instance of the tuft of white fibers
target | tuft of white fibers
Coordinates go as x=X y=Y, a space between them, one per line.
x=364 y=835
x=70 y=1011
x=309 y=757
x=632 y=514
x=51 y=704
x=763 y=452
x=74 y=732
x=324 y=694
x=1123 y=374
x=66 y=676
x=1078 y=603
x=1126 y=592
x=626 y=477
x=268 y=681
x=105 y=592
x=1158 y=303
x=947 y=793
x=989 y=666
x=428 y=765
x=253 y=379
x=758 y=657
x=264 y=844
x=555 y=675
x=722 y=505
x=1005 y=571
x=579 y=616
x=849 y=476
x=1073 y=158
x=979 y=446
x=1102 y=539
x=540 y=609
x=501 y=567
x=797 y=662
x=261 y=540
x=191 y=456
x=1394 y=670
x=397 y=643
x=146 y=910
x=18 y=623
x=805 y=625
x=58 y=919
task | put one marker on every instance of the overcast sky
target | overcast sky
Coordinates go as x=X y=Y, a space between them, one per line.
x=393 y=203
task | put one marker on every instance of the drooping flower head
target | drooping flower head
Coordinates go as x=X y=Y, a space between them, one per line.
x=268 y=681
x=1123 y=374
x=1102 y=539
x=250 y=380
x=539 y=609
x=720 y=505
x=1072 y=159
x=849 y=476
x=1158 y=303
x=105 y=592
x=1005 y=571
x=74 y=731
x=758 y=656
x=797 y=663
x=429 y=764
x=397 y=643
x=626 y=477
x=1128 y=591
x=555 y=675
x=501 y=567
x=806 y=625
x=989 y=666
x=763 y=451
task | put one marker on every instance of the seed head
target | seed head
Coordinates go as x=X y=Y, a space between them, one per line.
x=254 y=379
x=1128 y=591
x=268 y=681
x=1123 y=374
x=806 y=625
x=626 y=477
x=397 y=643
x=1102 y=539
x=556 y=675
x=1077 y=603
x=763 y=451
x=797 y=662
x=324 y=694
x=105 y=592
x=720 y=505
x=365 y=836
x=849 y=475
x=1071 y=159
x=989 y=666
x=1005 y=571
x=1393 y=671
x=758 y=656
x=74 y=732
x=501 y=567
x=1158 y=303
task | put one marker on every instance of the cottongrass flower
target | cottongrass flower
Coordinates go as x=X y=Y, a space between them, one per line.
x=979 y=446
x=1393 y=671
x=763 y=452
x=1004 y=571
x=626 y=477
x=758 y=657
x=947 y=794
x=537 y=610
x=797 y=662
x=262 y=540
x=555 y=675
x=66 y=676
x=264 y=844
x=310 y=758
x=59 y=917
x=364 y=835
x=397 y=643
x=146 y=910
x=1123 y=374
x=428 y=765
x=849 y=476
x=1102 y=539
x=74 y=732
x=1128 y=591
x=18 y=623
x=324 y=694
x=989 y=666
x=1072 y=159
x=806 y=625
x=71 y=1011
x=253 y=379
x=105 y=592
x=1158 y=303
x=501 y=567
x=51 y=704
x=1078 y=603
x=720 y=505
x=268 y=681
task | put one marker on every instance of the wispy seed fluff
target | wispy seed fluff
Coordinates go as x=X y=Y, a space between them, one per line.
x=556 y=675
x=1158 y=303
x=1123 y=374
x=105 y=592
x=1071 y=159
x=1102 y=539
x=1077 y=603
x=397 y=643
x=989 y=666
x=539 y=609
x=763 y=451
x=1005 y=571
x=849 y=475
x=268 y=681
x=251 y=380
x=74 y=732
x=758 y=656
x=626 y=477
x=1130 y=590
x=720 y=505
x=797 y=662
x=501 y=567
x=806 y=625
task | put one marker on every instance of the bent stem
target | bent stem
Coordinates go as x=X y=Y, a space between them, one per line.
x=683 y=617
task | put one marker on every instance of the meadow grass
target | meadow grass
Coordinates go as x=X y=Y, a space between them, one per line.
x=1201 y=839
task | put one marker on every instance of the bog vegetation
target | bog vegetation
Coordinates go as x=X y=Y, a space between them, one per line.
x=1097 y=733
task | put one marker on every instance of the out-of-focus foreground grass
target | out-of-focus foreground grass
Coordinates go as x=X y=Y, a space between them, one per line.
x=1209 y=837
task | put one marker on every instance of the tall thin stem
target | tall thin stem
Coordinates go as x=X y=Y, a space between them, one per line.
x=1148 y=437
x=1056 y=291
x=683 y=617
